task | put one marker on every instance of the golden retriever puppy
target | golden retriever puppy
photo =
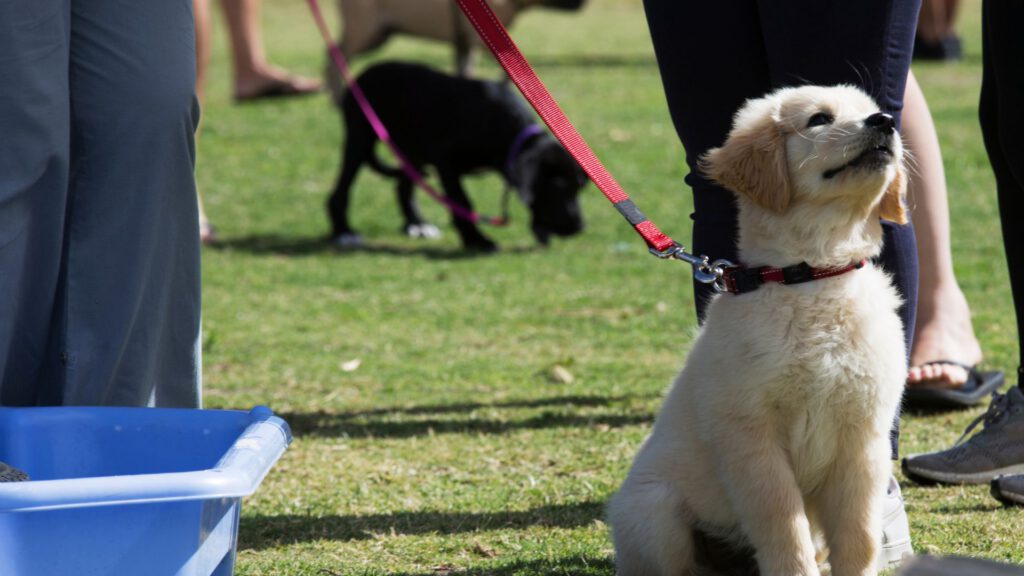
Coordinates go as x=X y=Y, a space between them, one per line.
x=775 y=436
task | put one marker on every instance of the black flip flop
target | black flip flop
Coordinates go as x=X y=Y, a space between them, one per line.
x=278 y=89
x=978 y=387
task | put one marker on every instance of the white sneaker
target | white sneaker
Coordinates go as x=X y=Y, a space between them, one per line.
x=895 y=529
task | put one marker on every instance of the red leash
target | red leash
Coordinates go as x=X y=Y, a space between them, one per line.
x=724 y=275
x=519 y=71
x=382 y=132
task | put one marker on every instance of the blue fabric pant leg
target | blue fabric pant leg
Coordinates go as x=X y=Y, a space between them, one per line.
x=34 y=175
x=119 y=291
x=715 y=55
x=1002 y=122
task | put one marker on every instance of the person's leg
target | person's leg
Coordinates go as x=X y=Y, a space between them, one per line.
x=34 y=160
x=254 y=77
x=943 y=330
x=1002 y=121
x=204 y=37
x=130 y=312
x=715 y=55
x=931 y=26
x=936 y=37
x=708 y=71
x=998 y=448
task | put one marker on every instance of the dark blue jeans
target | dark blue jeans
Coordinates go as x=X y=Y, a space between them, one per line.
x=715 y=55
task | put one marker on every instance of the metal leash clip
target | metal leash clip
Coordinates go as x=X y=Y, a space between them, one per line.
x=704 y=270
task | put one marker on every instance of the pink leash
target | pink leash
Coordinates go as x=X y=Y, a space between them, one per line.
x=382 y=132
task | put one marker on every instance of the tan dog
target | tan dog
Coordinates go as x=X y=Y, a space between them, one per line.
x=369 y=23
x=775 y=436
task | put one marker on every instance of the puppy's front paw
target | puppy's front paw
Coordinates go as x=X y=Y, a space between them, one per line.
x=348 y=241
x=423 y=230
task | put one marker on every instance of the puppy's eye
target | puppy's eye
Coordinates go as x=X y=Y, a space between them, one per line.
x=820 y=119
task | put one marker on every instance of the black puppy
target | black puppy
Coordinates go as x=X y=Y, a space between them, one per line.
x=458 y=126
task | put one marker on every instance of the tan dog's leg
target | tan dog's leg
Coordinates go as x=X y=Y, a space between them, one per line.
x=650 y=530
x=851 y=508
x=764 y=494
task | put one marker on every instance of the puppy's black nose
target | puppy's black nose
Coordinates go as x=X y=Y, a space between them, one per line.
x=881 y=121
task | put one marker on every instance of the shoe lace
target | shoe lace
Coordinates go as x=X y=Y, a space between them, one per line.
x=996 y=409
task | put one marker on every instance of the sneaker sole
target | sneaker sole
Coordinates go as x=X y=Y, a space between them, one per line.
x=925 y=476
x=1007 y=498
x=892 y=553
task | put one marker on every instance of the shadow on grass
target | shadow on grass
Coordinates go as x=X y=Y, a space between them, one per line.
x=275 y=244
x=328 y=425
x=957 y=509
x=574 y=566
x=262 y=532
x=573 y=400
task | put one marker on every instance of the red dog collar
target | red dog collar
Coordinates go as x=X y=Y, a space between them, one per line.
x=739 y=279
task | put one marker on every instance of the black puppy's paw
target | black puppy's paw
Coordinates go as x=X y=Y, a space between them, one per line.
x=348 y=241
x=421 y=230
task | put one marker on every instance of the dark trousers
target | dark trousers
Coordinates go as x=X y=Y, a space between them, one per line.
x=1002 y=124
x=715 y=55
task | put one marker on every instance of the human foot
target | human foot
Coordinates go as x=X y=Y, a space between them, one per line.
x=944 y=341
x=271 y=82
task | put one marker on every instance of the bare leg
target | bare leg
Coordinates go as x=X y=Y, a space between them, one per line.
x=943 y=330
x=253 y=75
x=201 y=14
x=933 y=21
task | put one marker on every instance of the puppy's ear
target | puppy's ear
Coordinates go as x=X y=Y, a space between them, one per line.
x=752 y=162
x=891 y=207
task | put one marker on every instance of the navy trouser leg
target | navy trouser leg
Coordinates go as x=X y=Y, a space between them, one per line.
x=715 y=55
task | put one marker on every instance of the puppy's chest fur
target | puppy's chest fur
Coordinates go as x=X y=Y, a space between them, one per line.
x=815 y=362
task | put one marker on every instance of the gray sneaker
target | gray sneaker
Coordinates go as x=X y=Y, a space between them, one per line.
x=996 y=450
x=895 y=529
x=11 y=474
x=1009 y=489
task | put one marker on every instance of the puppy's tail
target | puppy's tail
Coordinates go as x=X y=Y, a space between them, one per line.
x=383 y=169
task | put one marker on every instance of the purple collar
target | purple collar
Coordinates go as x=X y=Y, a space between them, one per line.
x=516 y=148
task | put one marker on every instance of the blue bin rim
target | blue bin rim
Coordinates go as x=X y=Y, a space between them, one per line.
x=238 y=473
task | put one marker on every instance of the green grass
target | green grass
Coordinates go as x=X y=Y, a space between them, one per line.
x=452 y=448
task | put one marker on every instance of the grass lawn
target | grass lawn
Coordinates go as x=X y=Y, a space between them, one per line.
x=454 y=446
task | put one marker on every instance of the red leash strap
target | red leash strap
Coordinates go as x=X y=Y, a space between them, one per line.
x=512 y=60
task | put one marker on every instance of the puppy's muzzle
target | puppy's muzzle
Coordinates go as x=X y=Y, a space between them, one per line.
x=881 y=128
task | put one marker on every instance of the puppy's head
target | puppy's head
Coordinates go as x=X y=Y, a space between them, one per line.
x=813 y=146
x=549 y=181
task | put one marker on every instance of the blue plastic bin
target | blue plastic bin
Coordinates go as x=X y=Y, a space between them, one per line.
x=130 y=491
